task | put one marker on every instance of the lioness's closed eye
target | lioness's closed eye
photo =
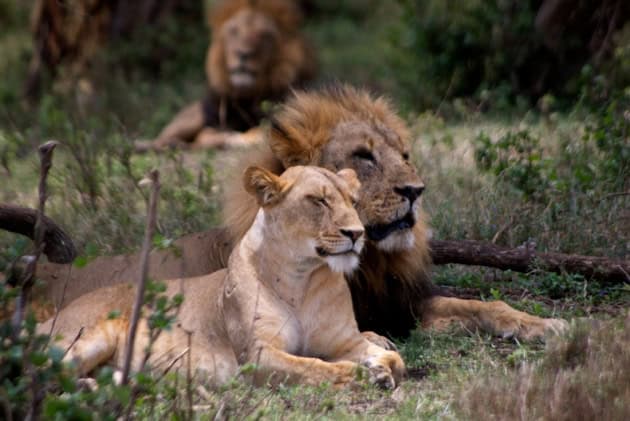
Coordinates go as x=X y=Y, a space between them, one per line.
x=282 y=304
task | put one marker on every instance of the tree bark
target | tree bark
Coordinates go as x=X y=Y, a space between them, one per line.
x=521 y=259
x=58 y=246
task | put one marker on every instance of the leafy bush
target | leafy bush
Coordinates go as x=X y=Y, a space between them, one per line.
x=492 y=50
x=36 y=382
x=595 y=161
x=517 y=158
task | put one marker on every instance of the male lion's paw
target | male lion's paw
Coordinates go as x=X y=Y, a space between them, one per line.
x=556 y=326
x=380 y=341
x=536 y=329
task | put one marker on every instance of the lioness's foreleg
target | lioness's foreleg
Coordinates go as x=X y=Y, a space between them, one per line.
x=495 y=317
x=97 y=344
x=278 y=366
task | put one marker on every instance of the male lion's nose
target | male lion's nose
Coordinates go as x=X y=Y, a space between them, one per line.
x=411 y=192
x=245 y=55
x=353 y=234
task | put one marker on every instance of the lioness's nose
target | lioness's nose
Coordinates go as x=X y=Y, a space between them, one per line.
x=353 y=234
x=411 y=192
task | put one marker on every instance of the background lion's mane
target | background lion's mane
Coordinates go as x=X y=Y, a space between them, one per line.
x=293 y=61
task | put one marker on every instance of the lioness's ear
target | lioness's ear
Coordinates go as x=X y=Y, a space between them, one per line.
x=265 y=185
x=350 y=177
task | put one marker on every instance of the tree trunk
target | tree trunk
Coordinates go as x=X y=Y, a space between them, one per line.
x=58 y=245
x=521 y=259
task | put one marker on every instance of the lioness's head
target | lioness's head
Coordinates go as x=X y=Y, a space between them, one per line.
x=311 y=211
x=253 y=46
x=342 y=127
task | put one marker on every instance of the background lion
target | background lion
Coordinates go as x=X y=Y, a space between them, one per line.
x=256 y=54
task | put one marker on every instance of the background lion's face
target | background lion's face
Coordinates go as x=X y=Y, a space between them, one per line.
x=250 y=40
x=389 y=198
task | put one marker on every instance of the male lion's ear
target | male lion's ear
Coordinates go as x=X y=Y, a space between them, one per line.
x=288 y=146
x=350 y=177
x=265 y=185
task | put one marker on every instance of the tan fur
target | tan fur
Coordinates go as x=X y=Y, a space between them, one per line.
x=263 y=39
x=279 y=305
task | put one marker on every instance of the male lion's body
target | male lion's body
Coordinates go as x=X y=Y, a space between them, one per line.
x=256 y=55
x=278 y=305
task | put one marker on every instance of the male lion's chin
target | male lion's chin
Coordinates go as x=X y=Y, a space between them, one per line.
x=343 y=263
x=242 y=81
x=397 y=241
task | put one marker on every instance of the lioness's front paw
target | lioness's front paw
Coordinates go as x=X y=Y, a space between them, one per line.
x=386 y=370
x=381 y=376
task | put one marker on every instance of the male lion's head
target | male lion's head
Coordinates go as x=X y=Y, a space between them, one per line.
x=342 y=127
x=256 y=48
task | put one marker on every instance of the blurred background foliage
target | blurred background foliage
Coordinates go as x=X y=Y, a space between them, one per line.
x=424 y=53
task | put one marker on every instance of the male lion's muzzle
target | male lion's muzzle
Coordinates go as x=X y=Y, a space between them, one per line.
x=411 y=192
x=379 y=232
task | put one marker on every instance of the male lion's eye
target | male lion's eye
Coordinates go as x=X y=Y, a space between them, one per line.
x=364 y=154
x=405 y=156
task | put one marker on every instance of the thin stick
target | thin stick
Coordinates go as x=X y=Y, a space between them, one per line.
x=154 y=177
x=74 y=341
x=172 y=363
x=189 y=376
x=28 y=278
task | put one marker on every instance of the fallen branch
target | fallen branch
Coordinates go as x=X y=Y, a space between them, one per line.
x=522 y=259
x=154 y=178
x=58 y=246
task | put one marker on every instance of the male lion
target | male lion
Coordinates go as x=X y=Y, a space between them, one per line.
x=283 y=302
x=256 y=54
x=342 y=127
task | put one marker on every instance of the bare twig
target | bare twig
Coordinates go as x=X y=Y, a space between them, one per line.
x=74 y=341
x=154 y=177
x=59 y=306
x=28 y=276
x=189 y=394
x=613 y=195
x=172 y=363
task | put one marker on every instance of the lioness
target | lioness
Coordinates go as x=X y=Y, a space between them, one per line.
x=283 y=302
x=256 y=54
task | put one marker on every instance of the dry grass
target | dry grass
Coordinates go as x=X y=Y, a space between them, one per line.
x=583 y=376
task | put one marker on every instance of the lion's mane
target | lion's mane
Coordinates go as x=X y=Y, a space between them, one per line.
x=293 y=61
